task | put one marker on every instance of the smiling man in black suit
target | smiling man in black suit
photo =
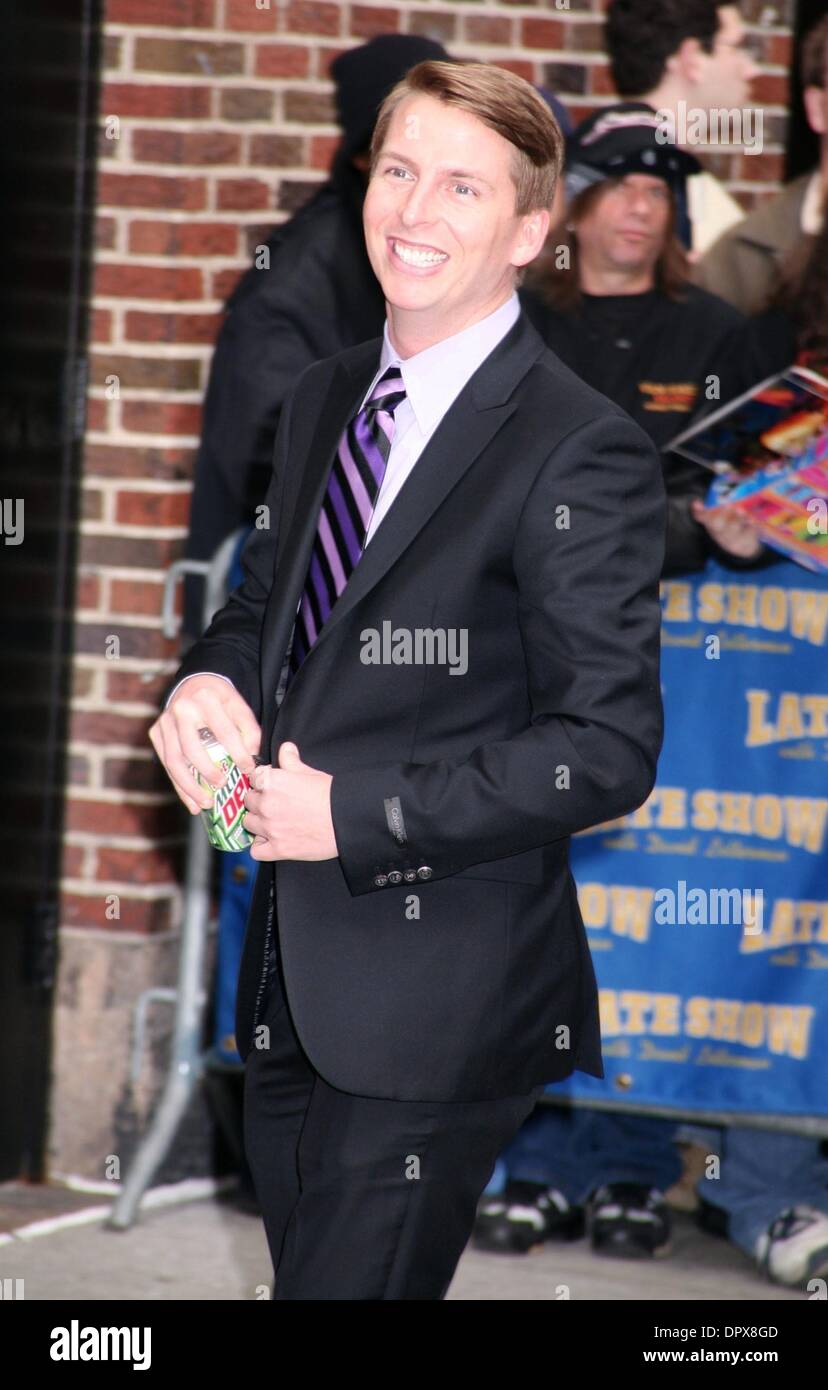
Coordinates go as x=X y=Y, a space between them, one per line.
x=415 y=966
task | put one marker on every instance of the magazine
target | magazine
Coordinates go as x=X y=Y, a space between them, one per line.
x=768 y=450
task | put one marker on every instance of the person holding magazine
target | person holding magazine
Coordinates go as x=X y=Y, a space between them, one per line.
x=621 y=313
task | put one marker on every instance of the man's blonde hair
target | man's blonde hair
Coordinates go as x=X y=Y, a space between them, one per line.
x=505 y=103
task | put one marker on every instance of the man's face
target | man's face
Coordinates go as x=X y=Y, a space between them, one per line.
x=439 y=216
x=722 y=78
x=625 y=227
x=816 y=108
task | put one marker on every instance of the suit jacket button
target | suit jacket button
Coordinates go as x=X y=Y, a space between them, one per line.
x=424 y=872
x=380 y=880
x=395 y=876
x=410 y=875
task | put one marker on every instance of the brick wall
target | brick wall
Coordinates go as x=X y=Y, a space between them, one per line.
x=216 y=123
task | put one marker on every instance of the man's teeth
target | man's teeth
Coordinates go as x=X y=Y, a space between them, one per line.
x=412 y=257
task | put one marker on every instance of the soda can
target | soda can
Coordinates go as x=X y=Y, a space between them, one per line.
x=225 y=822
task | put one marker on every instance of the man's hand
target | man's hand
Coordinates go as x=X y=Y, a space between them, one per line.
x=204 y=701
x=731 y=530
x=289 y=810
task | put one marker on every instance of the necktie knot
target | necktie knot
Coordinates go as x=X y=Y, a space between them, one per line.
x=388 y=392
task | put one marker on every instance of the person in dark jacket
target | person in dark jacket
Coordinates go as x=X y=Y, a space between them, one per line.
x=310 y=293
x=620 y=310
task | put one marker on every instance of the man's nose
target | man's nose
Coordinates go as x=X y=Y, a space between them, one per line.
x=417 y=205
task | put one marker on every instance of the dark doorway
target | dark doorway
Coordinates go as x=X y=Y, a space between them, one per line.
x=50 y=67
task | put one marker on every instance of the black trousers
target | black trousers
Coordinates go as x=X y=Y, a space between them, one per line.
x=363 y=1198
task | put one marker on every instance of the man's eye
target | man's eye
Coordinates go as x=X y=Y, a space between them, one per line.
x=395 y=169
x=467 y=188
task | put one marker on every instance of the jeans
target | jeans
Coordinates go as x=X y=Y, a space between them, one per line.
x=761 y=1173
x=577 y=1150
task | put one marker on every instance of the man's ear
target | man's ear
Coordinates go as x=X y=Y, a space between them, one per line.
x=687 y=62
x=815 y=101
x=533 y=232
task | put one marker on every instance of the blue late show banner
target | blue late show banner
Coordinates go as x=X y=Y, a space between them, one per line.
x=707 y=909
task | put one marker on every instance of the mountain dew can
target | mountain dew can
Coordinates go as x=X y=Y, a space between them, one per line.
x=225 y=822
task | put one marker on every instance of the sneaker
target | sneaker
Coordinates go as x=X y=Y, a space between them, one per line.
x=522 y=1217
x=794 y=1248
x=628 y=1219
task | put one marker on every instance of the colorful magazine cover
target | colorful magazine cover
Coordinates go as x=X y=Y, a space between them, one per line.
x=769 y=452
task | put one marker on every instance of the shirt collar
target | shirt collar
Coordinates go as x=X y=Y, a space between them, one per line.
x=434 y=378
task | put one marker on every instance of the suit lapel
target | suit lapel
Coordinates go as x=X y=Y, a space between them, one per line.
x=468 y=427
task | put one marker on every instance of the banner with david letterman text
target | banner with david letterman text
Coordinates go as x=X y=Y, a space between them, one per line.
x=707 y=909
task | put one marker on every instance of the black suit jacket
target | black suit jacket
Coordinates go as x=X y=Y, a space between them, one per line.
x=534 y=519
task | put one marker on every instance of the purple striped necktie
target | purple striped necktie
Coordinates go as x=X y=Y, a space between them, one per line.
x=348 y=505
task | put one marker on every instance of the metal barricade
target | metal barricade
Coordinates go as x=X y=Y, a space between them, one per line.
x=186 y=1064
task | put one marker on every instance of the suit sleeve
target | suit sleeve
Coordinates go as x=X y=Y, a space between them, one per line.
x=231 y=646
x=590 y=626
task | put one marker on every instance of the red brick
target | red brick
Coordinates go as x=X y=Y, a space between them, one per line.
x=136 y=596
x=83 y=680
x=134 y=914
x=153 y=326
x=160 y=417
x=542 y=33
x=152 y=191
x=325 y=55
x=186 y=147
x=102 y=726
x=242 y=15
x=322 y=150
x=436 y=24
x=100 y=325
x=138 y=552
x=130 y=687
x=152 y=508
x=72 y=861
x=309 y=17
x=366 y=21
x=186 y=14
x=151 y=373
x=135 y=774
x=600 y=80
x=77 y=770
x=97 y=414
x=488 y=29
x=185 y=102
x=121 y=461
x=240 y=195
x=197 y=57
x=308 y=108
x=277 y=151
x=183 y=239
x=769 y=89
x=122 y=818
x=281 y=60
x=144 y=866
x=223 y=283
x=585 y=38
x=763 y=168
x=87 y=591
x=245 y=104
x=91 y=504
x=94 y=638
x=518 y=66
x=106 y=229
x=148 y=281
